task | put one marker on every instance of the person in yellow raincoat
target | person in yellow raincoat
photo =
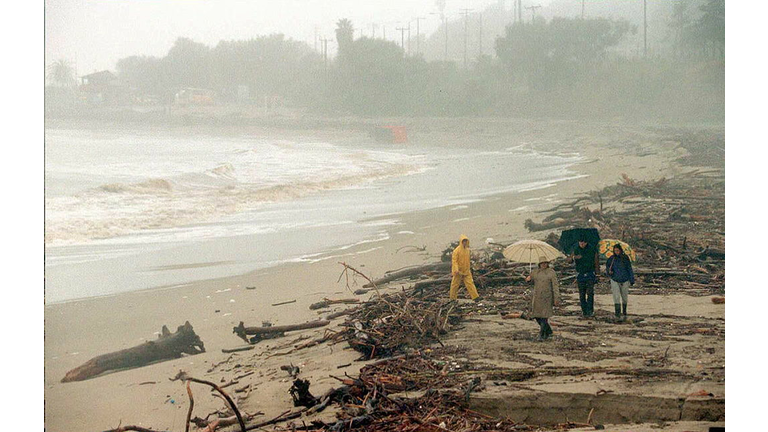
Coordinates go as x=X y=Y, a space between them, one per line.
x=460 y=270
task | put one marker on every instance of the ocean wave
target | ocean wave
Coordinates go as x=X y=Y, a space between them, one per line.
x=116 y=209
x=225 y=170
x=145 y=187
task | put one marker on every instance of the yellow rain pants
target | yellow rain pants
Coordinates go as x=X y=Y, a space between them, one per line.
x=460 y=268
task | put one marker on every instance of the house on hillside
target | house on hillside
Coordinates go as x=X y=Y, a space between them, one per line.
x=104 y=88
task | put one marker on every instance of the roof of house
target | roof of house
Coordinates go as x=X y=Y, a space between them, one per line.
x=105 y=75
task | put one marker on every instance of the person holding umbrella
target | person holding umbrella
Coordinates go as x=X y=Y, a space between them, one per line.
x=587 y=266
x=546 y=295
x=619 y=268
x=461 y=271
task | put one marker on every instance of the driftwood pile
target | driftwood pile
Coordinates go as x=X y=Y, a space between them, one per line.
x=366 y=407
x=676 y=227
x=371 y=402
x=377 y=400
x=392 y=323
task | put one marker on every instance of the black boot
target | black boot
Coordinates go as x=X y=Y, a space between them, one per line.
x=542 y=332
x=548 y=331
x=624 y=311
x=617 y=307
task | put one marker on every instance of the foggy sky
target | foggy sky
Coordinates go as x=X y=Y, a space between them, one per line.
x=94 y=34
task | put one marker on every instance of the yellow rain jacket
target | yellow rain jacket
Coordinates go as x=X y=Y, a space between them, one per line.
x=461 y=271
x=460 y=258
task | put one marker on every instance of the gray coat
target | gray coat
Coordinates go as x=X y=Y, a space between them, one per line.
x=546 y=291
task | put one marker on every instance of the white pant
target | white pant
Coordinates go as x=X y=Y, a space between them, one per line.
x=620 y=291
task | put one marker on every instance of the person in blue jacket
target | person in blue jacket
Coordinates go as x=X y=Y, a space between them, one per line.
x=587 y=267
x=619 y=269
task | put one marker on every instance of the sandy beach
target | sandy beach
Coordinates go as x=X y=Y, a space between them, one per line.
x=79 y=330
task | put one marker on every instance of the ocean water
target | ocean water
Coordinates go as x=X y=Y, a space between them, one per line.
x=137 y=210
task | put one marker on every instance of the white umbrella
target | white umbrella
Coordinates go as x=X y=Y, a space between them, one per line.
x=529 y=251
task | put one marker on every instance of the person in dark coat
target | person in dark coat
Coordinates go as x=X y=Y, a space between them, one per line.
x=587 y=267
x=545 y=296
x=619 y=269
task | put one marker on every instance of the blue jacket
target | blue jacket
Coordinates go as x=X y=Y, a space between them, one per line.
x=622 y=269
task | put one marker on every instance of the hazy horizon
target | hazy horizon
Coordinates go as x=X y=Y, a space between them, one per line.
x=93 y=35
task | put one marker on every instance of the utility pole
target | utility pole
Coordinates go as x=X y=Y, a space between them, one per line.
x=481 y=34
x=402 y=37
x=418 y=35
x=409 y=38
x=645 y=28
x=582 y=9
x=315 y=38
x=533 y=11
x=324 y=45
x=465 y=12
x=445 y=24
x=520 y=11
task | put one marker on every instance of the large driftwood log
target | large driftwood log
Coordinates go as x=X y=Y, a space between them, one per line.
x=400 y=274
x=260 y=333
x=168 y=346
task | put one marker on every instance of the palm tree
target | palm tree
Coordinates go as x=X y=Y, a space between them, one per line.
x=344 y=33
x=60 y=74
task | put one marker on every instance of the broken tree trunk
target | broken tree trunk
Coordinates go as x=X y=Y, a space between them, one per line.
x=438 y=267
x=269 y=332
x=168 y=346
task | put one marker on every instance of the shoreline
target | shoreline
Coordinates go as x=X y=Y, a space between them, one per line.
x=79 y=330
x=318 y=221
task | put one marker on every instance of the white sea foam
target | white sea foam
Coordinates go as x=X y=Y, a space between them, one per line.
x=382 y=236
x=383 y=222
x=184 y=192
